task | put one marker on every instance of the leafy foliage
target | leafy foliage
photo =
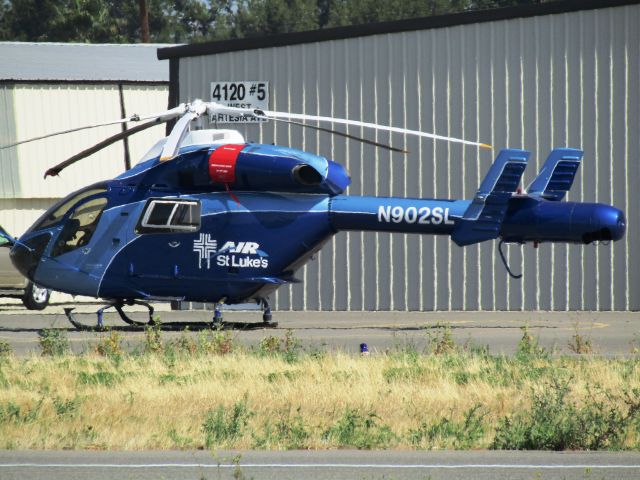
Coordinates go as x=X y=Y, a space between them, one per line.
x=222 y=425
x=53 y=342
x=5 y=348
x=110 y=345
x=557 y=422
x=177 y=21
x=288 y=432
x=449 y=433
x=288 y=347
x=359 y=430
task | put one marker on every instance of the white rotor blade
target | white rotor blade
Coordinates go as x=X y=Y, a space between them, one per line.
x=167 y=114
x=174 y=112
x=356 y=123
x=218 y=108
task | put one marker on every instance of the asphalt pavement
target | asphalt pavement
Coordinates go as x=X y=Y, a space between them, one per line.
x=318 y=465
x=607 y=333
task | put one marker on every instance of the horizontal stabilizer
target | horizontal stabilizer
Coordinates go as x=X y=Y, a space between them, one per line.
x=483 y=218
x=557 y=174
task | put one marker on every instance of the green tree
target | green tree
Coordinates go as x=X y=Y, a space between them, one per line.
x=183 y=21
x=102 y=21
x=348 y=12
x=268 y=17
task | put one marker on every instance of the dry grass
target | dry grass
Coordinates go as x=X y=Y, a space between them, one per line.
x=246 y=400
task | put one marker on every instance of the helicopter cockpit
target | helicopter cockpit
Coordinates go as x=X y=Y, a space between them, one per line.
x=71 y=222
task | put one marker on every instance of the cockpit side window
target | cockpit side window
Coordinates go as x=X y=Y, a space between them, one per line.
x=80 y=226
x=169 y=215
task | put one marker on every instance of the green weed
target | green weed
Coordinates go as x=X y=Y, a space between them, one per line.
x=110 y=345
x=13 y=413
x=446 y=433
x=289 y=347
x=222 y=426
x=556 y=422
x=177 y=379
x=288 y=432
x=269 y=345
x=153 y=338
x=53 y=342
x=406 y=373
x=5 y=348
x=580 y=344
x=215 y=342
x=529 y=346
x=185 y=345
x=359 y=430
x=66 y=407
x=99 y=378
x=441 y=342
x=178 y=440
x=286 y=375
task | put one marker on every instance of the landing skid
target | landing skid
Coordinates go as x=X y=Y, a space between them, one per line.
x=99 y=327
x=135 y=325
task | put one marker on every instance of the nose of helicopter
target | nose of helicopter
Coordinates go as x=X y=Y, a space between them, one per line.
x=25 y=255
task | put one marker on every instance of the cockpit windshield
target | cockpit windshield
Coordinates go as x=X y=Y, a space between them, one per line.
x=80 y=226
x=55 y=213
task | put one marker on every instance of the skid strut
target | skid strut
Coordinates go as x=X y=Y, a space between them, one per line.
x=267 y=317
x=100 y=314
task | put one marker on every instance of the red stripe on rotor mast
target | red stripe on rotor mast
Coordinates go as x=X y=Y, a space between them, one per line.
x=222 y=163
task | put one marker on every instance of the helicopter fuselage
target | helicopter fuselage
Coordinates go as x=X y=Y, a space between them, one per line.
x=234 y=222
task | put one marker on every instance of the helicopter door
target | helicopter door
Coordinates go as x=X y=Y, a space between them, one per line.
x=160 y=255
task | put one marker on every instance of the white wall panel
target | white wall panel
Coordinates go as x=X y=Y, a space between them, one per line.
x=17 y=215
x=569 y=79
x=9 y=175
x=39 y=109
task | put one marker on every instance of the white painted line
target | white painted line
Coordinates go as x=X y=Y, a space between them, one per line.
x=313 y=465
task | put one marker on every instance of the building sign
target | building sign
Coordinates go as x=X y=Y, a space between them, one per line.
x=241 y=95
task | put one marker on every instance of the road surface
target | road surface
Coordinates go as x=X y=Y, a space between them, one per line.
x=318 y=465
x=610 y=333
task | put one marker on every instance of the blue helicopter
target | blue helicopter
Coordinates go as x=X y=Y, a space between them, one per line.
x=208 y=217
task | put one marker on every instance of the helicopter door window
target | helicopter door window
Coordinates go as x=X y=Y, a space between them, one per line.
x=170 y=216
x=79 y=228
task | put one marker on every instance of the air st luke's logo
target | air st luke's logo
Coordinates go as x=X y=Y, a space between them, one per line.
x=232 y=254
x=205 y=247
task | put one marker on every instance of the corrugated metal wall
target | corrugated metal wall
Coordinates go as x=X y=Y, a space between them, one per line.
x=558 y=80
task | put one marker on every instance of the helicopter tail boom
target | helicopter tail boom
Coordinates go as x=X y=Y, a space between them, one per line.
x=408 y=215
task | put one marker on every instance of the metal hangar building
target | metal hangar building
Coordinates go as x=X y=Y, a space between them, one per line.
x=47 y=87
x=564 y=73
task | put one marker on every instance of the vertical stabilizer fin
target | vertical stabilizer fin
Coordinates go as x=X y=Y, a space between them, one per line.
x=483 y=218
x=557 y=174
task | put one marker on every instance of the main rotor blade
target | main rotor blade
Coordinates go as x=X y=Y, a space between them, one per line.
x=296 y=116
x=62 y=132
x=54 y=171
x=213 y=107
x=342 y=134
x=168 y=115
